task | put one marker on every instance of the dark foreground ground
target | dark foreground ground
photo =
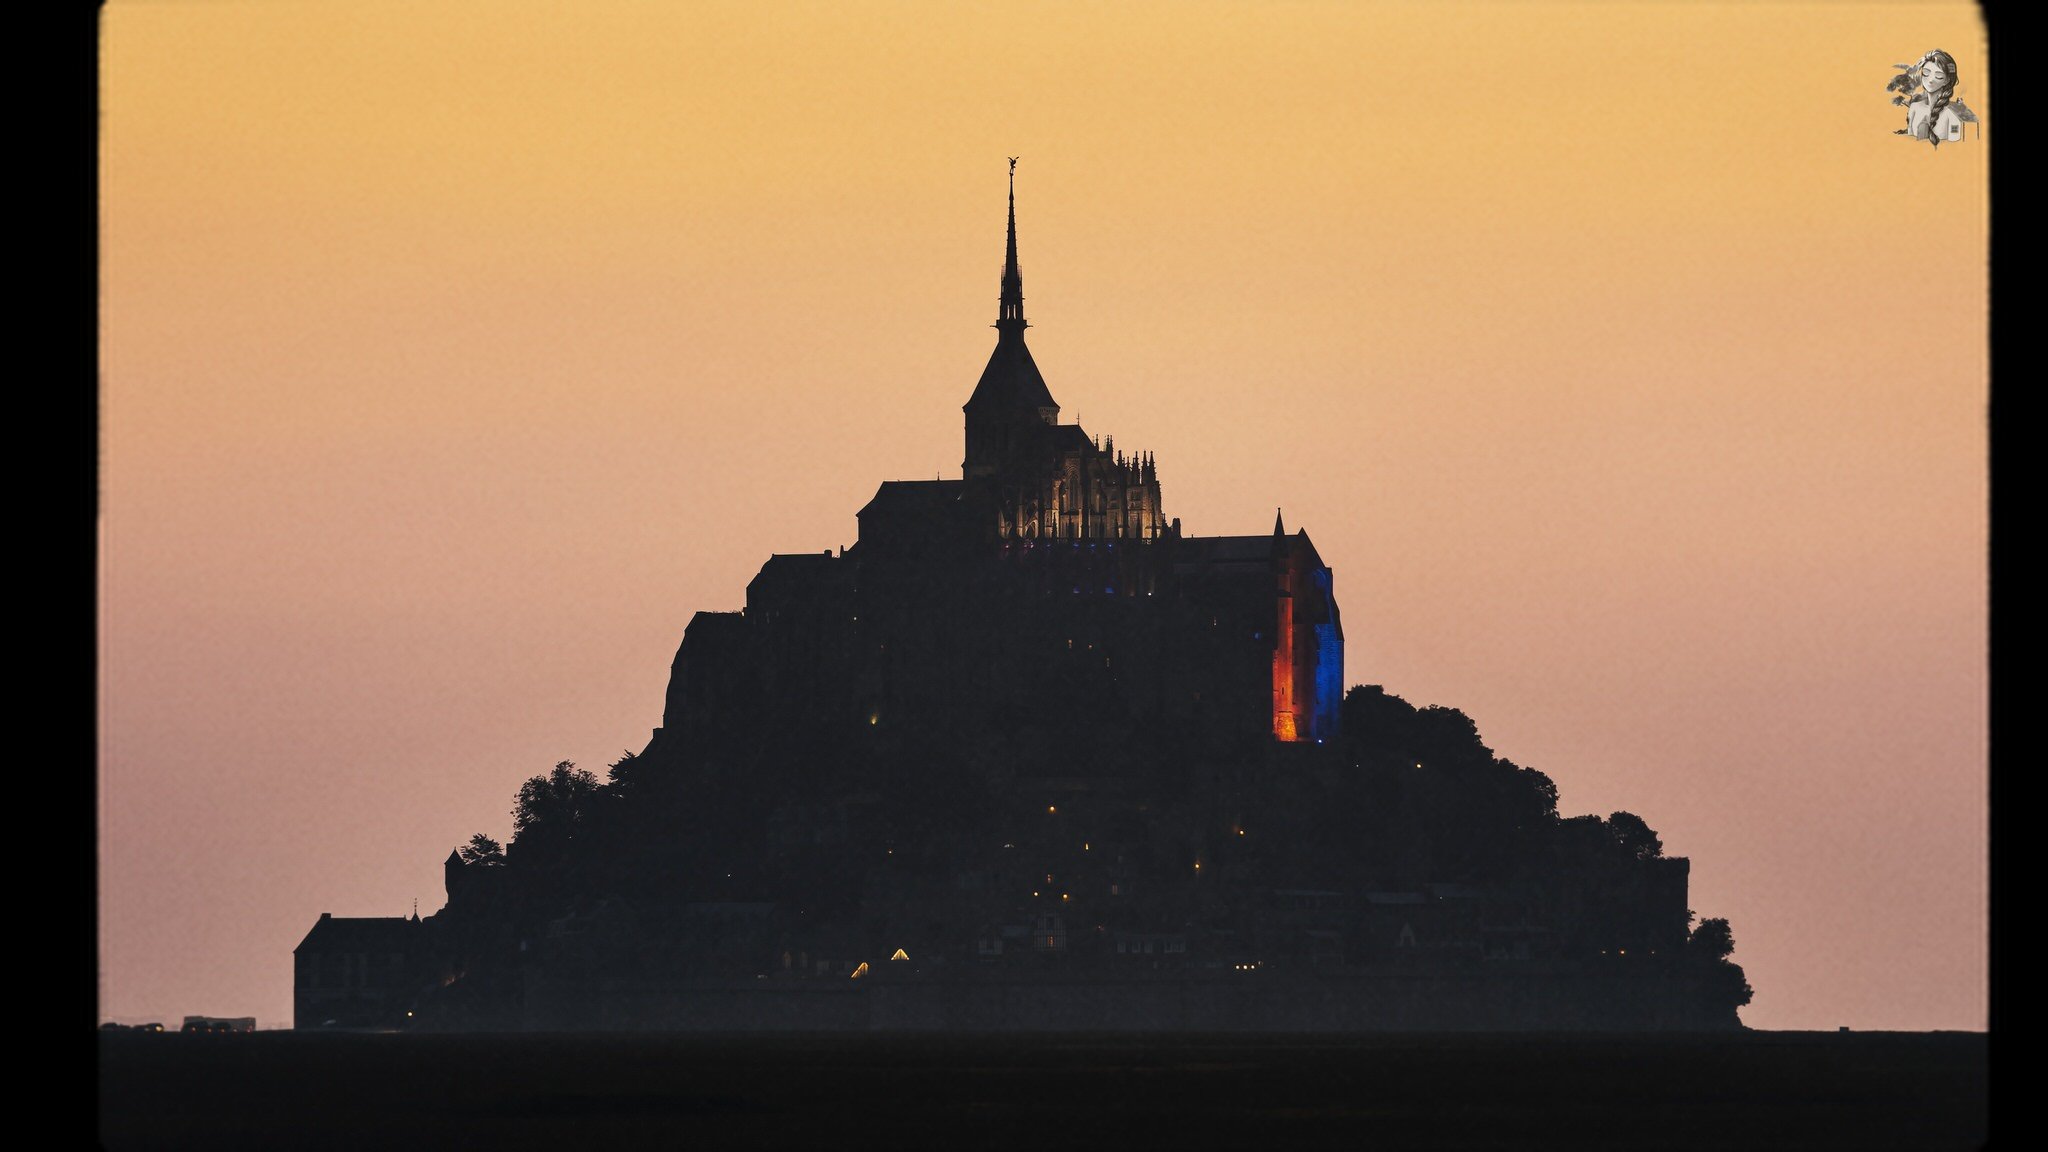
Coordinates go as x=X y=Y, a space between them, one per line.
x=1748 y=1091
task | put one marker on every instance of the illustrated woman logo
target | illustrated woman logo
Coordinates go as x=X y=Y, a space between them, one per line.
x=1928 y=92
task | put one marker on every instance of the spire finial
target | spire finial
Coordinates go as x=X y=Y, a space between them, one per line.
x=1279 y=529
x=1010 y=320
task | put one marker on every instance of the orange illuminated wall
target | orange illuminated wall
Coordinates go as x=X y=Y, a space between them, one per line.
x=1283 y=650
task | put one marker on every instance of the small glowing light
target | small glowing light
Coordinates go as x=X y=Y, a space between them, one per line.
x=900 y=955
x=1240 y=831
x=408 y=1012
x=1198 y=865
x=1034 y=895
x=860 y=971
x=1051 y=808
x=876 y=718
x=1063 y=895
x=1084 y=846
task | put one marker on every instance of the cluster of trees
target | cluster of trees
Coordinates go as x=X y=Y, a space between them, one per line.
x=551 y=811
x=1429 y=800
x=1709 y=947
x=1431 y=797
x=1425 y=800
x=1435 y=798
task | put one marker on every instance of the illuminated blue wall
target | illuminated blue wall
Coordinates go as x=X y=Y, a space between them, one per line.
x=1329 y=665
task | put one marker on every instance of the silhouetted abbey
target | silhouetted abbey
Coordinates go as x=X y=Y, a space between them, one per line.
x=1026 y=755
x=1044 y=588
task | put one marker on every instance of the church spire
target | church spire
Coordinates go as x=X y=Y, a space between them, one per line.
x=1279 y=527
x=1010 y=320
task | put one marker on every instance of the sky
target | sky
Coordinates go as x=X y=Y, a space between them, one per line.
x=1627 y=369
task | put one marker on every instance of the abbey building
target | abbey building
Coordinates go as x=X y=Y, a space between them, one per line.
x=1046 y=586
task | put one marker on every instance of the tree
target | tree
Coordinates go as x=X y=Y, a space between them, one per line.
x=1711 y=944
x=1374 y=722
x=1542 y=792
x=483 y=850
x=1635 y=836
x=554 y=805
x=624 y=773
x=1712 y=940
x=1448 y=737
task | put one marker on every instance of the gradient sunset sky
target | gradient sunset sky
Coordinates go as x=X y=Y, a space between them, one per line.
x=1627 y=369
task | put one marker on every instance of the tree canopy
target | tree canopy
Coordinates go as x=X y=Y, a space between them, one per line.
x=1432 y=785
x=1712 y=939
x=481 y=849
x=555 y=806
x=1635 y=836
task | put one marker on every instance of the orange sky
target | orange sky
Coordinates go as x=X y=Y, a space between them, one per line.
x=1626 y=368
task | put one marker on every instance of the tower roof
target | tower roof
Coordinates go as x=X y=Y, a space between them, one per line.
x=1011 y=379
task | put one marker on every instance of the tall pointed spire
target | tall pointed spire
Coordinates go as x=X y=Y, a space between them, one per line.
x=1279 y=528
x=1010 y=400
x=1010 y=320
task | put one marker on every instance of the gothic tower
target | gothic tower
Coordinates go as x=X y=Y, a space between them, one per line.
x=1011 y=399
